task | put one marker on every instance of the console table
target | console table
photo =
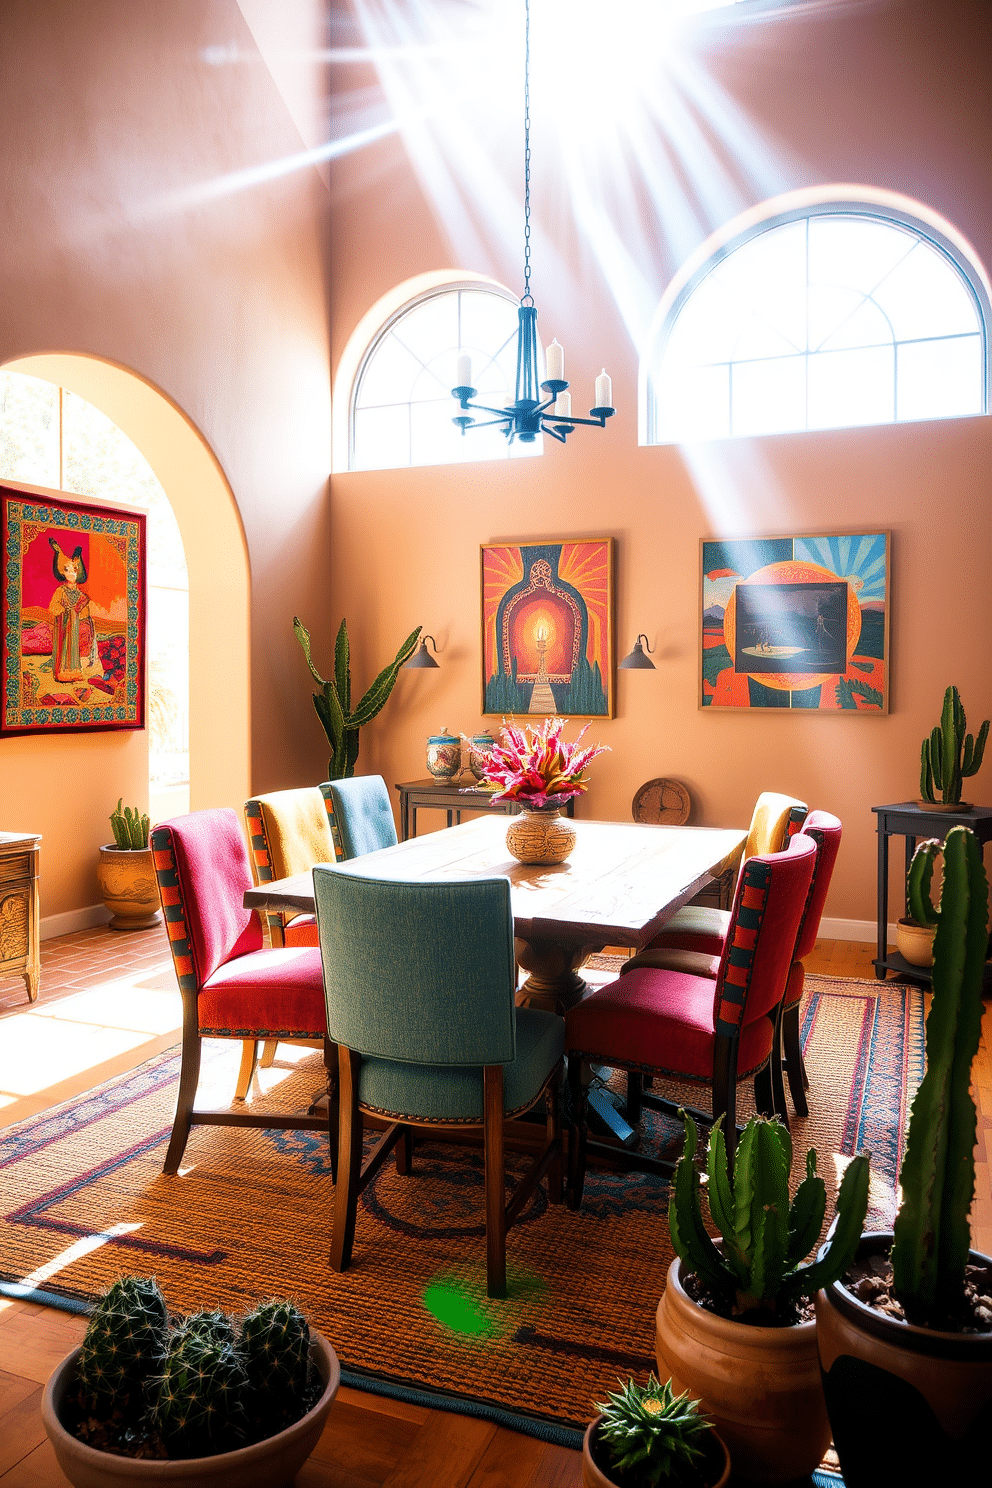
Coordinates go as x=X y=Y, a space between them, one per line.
x=907 y=819
x=448 y=796
x=20 y=949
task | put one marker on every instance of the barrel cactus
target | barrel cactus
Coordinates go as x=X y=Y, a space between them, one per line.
x=216 y=1326
x=124 y=1342
x=198 y=1401
x=765 y=1238
x=931 y=1245
x=275 y=1345
x=949 y=754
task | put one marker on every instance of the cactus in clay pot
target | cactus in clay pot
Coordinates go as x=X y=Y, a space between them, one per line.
x=124 y=1342
x=130 y=828
x=949 y=754
x=275 y=1342
x=198 y=1401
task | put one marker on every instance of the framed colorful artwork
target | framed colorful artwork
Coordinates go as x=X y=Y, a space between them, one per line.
x=72 y=615
x=796 y=622
x=547 y=628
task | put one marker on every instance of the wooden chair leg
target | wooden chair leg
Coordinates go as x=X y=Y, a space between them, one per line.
x=333 y=1102
x=553 y=1131
x=249 y=1055
x=268 y=1053
x=189 y=1075
x=725 y=1093
x=579 y=1075
x=349 y=1160
x=495 y=1180
x=635 y=1090
x=795 y=1067
x=404 y=1153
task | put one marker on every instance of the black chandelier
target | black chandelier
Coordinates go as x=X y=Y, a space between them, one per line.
x=530 y=414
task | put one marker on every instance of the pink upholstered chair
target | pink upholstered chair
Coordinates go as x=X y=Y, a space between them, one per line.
x=707 y=1031
x=231 y=987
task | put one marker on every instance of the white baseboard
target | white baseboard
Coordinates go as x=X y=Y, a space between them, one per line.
x=73 y=919
x=865 y=930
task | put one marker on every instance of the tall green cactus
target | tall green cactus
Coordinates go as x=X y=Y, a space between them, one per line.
x=129 y=828
x=918 y=881
x=765 y=1238
x=949 y=754
x=339 y=720
x=938 y=1171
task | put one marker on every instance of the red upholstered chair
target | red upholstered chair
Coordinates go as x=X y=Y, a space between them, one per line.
x=657 y=1021
x=231 y=987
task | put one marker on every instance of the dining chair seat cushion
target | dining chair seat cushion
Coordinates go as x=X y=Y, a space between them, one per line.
x=361 y=813
x=297 y=830
x=697 y=927
x=667 y=1018
x=301 y=931
x=454 y=1092
x=281 y=990
x=668 y=958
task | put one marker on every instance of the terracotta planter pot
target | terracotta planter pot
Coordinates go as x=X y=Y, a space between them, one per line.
x=907 y=1404
x=759 y=1386
x=915 y=942
x=593 y=1475
x=267 y=1464
x=540 y=836
x=127 y=882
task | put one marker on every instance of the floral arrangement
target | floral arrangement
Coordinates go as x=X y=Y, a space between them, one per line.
x=536 y=767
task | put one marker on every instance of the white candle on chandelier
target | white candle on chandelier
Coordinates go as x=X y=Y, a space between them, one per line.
x=604 y=390
x=563 y=406
x=464 y=370
x=555 y=361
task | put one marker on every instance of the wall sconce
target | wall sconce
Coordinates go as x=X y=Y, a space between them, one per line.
x=423 y=658
x=636 y=660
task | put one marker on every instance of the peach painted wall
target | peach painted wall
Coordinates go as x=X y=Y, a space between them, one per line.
x=144 y=221
x=891 y=95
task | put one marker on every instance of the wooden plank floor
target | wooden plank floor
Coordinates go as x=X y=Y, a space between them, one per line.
x=371 y=1441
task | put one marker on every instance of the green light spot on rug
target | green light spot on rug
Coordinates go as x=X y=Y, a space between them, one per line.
x=457 y=1309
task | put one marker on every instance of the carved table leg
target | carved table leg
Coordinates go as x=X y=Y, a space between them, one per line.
x=554 y=984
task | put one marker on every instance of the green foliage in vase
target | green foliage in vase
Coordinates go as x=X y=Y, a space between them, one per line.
x=949 y=754
x=932 y=1238
x=765 y=1237
x=339 y=720
x=124 y=1342
x=130 y=828
x=652 y=1434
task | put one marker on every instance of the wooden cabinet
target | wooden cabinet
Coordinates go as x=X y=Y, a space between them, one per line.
x=19 y=908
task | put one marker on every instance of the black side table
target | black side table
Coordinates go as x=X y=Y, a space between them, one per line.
x=448 y=796
x=907 y=819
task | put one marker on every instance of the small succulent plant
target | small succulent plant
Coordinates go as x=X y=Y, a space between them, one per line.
x=652 y=1434
x=765 y=1237
x=130 y=828
x=124 y=1343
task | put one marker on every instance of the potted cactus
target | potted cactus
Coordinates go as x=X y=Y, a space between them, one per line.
x=126 y=874
x=201 y=1400
x=734 y=1324
x=911 y=1328
x=915 y=932
x=948 y=755
x=646 y=1436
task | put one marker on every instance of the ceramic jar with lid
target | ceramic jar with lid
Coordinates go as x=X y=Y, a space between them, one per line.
x=444 y=755
x=479 y=749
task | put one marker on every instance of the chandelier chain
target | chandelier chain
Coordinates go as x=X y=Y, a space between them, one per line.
x=528 y=298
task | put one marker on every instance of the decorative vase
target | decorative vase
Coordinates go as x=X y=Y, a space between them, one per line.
x=540 y=836
x=265 y=1464
x=759 y=1386
x=907 y=1404
x=127 y=882
x=480 y=747
x=915 y=942
x=714 y=1468
x=444 y=755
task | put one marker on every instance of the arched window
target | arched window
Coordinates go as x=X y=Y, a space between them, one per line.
x=828 y=317
x=402 y=410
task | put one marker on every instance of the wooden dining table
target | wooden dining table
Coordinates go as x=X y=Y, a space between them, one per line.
x=621 y=883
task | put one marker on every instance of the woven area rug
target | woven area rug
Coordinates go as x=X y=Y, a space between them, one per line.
x=84 y=1200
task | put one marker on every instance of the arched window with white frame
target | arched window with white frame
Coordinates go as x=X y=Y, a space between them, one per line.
x=402 y=412
x=829 y=316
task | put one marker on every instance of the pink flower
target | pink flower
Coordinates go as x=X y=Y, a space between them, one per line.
x=537 y=767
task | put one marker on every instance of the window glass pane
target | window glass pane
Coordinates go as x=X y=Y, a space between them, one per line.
x=168 y=687
x=694 y=404
x=842 y=317
x=768 y=397
x=390 y=373
x=857 y=252
x=707 y=326
x=851 y=387
x=769 y=274
x=29 y=430
x=758 y=340
x=923 y=296
x=939 y=379
x=382 y=438
x=430 y=327
x=487 y=320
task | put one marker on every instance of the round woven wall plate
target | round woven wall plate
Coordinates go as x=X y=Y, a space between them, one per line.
x=662 y=803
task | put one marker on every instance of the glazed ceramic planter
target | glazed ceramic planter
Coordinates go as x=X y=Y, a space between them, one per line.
x=540 y=836
x=444 y=756
x=127 y=883
x=266 y=1464
x=915 y=942
x=906 y=1404
x=759 y=1386
x=594 y=1476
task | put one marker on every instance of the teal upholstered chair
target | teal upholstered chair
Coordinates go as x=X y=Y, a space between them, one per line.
x=360 y=815
x=419 y=979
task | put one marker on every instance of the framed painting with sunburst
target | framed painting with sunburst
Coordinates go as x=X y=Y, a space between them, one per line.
x=547 y=628
x=796 y=623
